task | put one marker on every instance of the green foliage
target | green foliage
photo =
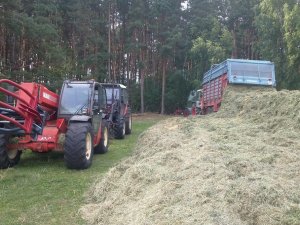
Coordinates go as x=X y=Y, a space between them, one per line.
x=202 y=14
x=152 y=96
x=205 y=54
x=135 y=98
x=276 y=24
x=54 y=40
x=292 y=37
x=212 y=52
x=177 y=92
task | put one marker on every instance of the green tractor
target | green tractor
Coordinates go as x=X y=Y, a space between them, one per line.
x=193 y=103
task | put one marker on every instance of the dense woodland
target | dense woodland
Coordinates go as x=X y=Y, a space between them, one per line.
x=158 y=48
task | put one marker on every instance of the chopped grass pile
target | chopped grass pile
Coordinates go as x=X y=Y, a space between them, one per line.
x=238 y=166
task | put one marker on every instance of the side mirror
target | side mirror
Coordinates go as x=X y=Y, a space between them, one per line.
x=122 y=99
x=96 y=104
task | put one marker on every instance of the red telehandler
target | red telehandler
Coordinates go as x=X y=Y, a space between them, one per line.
x=32 y=117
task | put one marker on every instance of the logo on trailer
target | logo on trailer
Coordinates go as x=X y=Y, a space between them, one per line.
x=49 y=97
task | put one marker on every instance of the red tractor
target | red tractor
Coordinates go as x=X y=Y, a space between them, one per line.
x=33 y=117
x=118 y=112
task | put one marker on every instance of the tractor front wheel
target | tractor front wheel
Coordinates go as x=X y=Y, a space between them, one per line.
x=79 y=149
x=102 y=147
x=8 y=158
x=119 y=128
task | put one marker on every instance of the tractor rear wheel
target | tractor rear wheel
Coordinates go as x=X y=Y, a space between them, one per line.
x=119 y=129
x=79 y=149
x=8 y=158
x=128 y=125
x=102 y=147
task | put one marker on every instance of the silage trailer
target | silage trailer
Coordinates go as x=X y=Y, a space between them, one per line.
x=235 y=72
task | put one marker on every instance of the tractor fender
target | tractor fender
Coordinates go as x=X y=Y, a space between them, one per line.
x=81 y=118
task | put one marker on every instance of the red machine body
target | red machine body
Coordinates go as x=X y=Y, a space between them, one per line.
x=35 y=118
x=35 y=114
x=212 y=94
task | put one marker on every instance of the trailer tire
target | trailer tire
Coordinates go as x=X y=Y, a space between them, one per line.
x=102 y=147
x=128 y=125
x=210 y=110
x=119 y=128
x=79 y=149
x=186 y=112
x=8 y=159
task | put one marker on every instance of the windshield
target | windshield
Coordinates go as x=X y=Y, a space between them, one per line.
x=75 y=98
x=112 y=93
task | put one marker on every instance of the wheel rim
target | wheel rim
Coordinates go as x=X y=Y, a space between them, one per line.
x=124 y=128
x=88 y=148
x=12 y=154
x=129 y=123
x=105 y=135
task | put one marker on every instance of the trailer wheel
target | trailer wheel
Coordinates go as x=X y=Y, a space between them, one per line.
x=119 y=128
x=210 y=109
x=8 y=158
x=186 y=112
x=102 y=147
x=128 y=125
x=79 y=146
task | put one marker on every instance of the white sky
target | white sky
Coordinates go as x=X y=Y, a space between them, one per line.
x=184 y=5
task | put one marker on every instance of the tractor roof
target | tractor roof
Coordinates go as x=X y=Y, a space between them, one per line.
x=111 y=85
x=80 y=81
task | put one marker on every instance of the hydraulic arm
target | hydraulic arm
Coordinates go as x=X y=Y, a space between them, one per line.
x=28 y=107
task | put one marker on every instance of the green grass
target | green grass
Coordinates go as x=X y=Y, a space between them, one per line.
x=41 y=190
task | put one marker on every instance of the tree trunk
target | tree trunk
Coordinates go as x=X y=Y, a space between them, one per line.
x=234 y=45
x=163 y=87
x=109 y=44
x=142 y=91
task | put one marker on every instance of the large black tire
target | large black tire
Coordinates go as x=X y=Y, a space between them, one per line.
x=102 y=147
x=79 y=149
x=119 y=128
x=8 y=158
x=128 y=125
x=186 y=112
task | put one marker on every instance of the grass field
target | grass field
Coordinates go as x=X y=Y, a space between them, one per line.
x=41 y=190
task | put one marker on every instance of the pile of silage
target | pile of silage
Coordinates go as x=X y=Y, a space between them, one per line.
x=238 y=166
x=280 y=109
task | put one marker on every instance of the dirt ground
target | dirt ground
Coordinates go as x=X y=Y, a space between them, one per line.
x=238 y=166
x=148 y=117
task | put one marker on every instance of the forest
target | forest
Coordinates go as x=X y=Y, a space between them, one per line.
x=159 y=49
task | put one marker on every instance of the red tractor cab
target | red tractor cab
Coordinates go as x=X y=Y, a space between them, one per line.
x=118 y=112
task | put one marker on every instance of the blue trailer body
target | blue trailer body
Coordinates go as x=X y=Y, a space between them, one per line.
x=240 y=71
